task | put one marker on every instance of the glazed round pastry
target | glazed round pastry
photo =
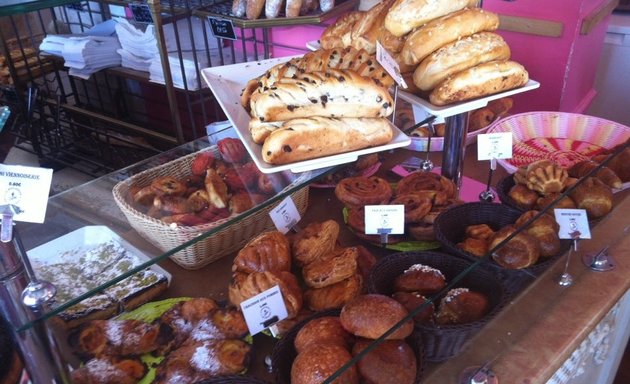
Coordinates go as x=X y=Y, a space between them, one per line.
x=519 y=252
x=524 y=197
x=392 y=361
x=359 y=191
x=461 y=306
x=411 y=301
x=477 y=247
x=594 y=196
x=322 y=330
x=316 y=364
x=420 y=278
x=479 y=231
x=371 y=315
x=416 y=206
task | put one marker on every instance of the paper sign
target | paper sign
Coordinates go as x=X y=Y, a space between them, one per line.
x=494 y=146
x=285 y=215
x=384 y=219
x=264 y=309
x=389 y=64
x=222 y=28
x=573 y=223
x=26 y=188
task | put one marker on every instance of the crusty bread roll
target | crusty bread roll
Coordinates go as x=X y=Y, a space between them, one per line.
x=272 y=8
x=322 y=330
x=254 y=9
x=371 y=315
x=338 y=93
x=308 y=138
x=318 y=363
x=459 y=55
x=239 y=7
x=405 y=15
x=481 y=80
x=292 y=8
x=446 y=29
x=339 y=33
x=392 y=361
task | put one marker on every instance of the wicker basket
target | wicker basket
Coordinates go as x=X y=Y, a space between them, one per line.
x=442 y=342
x=503 y=189
x=284 y=351
x=450 y=227
x=234 y=232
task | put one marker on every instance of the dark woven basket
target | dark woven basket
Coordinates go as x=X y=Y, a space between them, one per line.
x=233 y=379
x=450 y=229
x=284 y=351
x=442 y=342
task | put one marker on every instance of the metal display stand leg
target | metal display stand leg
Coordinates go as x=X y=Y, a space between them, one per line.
x=454 y=147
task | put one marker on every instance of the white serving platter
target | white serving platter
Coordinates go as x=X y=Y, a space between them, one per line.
x=227 y=82
x=465 y=106
x=72 y=246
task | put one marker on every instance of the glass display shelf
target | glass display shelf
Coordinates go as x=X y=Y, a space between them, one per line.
x=93 y=204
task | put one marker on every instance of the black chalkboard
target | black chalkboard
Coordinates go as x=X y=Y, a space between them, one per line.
x=141 y=13
x=222 y=28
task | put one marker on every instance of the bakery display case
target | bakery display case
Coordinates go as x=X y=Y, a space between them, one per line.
x=188 y=235
x=495 y=341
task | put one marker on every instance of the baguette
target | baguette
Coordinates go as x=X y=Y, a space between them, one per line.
x=405 y=15
x=482 y=80
x=459 y=55
x=334 y=93
x=308 y=138
x=254 y=8
x=446 y=29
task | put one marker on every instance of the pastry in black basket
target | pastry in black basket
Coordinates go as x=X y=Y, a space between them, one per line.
x=564 y=203
x=521 y=251
x=523 y=197
x=594 y=196
x=479 y=231
x=319 y=362
x=461 y=306
x=545 y=176
x=474 y=246
x=371 y=315
x=420 y=278
x=392 y=361
x=411 y=301
x=544 y=229
x=322 y=330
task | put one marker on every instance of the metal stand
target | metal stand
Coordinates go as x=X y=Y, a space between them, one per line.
x=38 y=348
x=454 y=147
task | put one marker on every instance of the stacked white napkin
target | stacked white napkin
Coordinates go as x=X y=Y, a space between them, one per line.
x=138 y=48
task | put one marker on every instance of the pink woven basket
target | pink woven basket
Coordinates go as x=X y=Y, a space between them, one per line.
x=565 y=138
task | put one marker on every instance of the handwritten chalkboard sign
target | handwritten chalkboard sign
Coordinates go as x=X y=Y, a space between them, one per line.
x=141 y=13
x=222 y=28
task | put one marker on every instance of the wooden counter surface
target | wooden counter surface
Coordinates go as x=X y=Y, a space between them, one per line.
x=529 y=339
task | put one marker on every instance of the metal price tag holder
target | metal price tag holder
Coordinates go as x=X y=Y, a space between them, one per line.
x=23 y=299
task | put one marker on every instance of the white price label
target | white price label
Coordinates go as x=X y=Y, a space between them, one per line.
x=264 y=310
x=573 y=224
x=390 y=65
x=494 y=146
x=26 y=189
x=285 y=215
x=384 y=219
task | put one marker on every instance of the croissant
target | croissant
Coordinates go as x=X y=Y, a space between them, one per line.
x=323 y=272
x=315 y=240
x=245 y=286
x=605 y=174
x=334 y=296
x=269 y=251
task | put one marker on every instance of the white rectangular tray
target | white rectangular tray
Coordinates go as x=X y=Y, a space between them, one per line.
x=227 y=82
x=70 y=247
x=464 y=106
